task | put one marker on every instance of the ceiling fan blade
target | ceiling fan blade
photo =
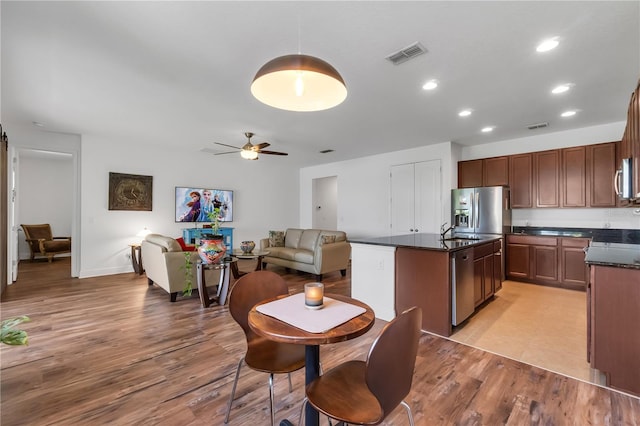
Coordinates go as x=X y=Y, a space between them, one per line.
x=228 y=152
x=273 y=153
x=230 y=146
x=262 y=145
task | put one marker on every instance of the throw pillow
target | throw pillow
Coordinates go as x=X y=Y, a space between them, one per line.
x=276 y=238
x=328 y=239
x=184 y=246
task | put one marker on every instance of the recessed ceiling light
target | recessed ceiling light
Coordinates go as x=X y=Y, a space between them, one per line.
x=570 y=113
x=561 y=88
x=430 y=85
x=465 y=113
x=487 y=129
x=548 y=44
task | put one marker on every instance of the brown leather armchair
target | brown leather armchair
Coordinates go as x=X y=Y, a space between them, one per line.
x=42 y=242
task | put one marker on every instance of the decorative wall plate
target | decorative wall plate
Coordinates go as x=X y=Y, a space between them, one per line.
x=130 y=192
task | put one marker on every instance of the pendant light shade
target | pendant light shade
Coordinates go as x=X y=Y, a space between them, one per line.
x=299 y=83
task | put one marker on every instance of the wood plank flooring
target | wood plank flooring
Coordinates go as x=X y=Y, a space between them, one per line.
x=114 y=350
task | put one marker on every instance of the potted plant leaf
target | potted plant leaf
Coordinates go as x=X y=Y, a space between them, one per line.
x=11 y=336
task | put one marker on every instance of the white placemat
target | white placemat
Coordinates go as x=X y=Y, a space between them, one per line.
x=291 y=310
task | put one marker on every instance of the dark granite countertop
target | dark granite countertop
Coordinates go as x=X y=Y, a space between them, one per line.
x=614 y=254
x=423 y=241
x=624 y=236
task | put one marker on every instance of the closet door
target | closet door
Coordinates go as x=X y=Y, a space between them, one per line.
x=428 y=197
x=402 y=194
x=416 y=204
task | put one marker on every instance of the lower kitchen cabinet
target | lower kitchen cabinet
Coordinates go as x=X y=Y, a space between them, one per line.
x=486 y=279
x=555 y=261
x=613 y=318
x=572 y=266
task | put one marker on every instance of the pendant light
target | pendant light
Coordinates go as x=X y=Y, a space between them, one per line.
x=299 y=83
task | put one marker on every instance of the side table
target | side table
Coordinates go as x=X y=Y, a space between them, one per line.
x=136 y=258
x=255 y=254
x=223 y=284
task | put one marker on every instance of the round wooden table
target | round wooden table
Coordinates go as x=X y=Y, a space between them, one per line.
x=280 y=331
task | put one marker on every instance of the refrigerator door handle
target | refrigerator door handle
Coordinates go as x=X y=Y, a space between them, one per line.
x=477 y=206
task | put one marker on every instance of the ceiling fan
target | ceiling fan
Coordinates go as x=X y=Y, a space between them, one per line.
x=250 y=151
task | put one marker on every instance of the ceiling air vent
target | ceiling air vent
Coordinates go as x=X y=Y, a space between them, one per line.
x=407 y=53
x=537 y=126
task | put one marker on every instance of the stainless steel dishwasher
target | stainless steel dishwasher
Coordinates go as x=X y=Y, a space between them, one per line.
x=462 y=298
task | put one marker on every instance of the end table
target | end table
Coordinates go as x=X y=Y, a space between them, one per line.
x=223 y=284
x=136 y=258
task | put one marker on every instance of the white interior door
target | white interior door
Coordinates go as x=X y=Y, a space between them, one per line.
x=325 y=203
x=402 y=199
x=428 y=197
x=416 y=200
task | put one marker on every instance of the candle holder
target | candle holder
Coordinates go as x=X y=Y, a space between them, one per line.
x=313 y=295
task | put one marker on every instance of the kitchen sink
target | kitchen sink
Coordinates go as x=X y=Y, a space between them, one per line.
x=461 y=239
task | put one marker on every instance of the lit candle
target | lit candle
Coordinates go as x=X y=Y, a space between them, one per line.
x=313 y=293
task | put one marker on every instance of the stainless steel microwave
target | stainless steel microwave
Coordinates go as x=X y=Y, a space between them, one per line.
x=623 y=180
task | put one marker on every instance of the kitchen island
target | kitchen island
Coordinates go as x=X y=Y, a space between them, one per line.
x=613 y=298
x=394 y=273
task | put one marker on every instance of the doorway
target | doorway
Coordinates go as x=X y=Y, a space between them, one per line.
x=325 y=203
x=43 y=182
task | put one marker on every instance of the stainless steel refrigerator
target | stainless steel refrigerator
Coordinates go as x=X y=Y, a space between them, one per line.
x=480 y=211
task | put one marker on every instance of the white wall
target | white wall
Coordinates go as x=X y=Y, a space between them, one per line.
x=265 y=196
x=625 y=218
x=364 y=185
x=45 y=193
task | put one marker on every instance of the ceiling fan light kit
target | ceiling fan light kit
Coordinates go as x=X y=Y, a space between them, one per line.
x=299 y=83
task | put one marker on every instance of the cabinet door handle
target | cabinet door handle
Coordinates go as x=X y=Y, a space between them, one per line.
x=616 y=182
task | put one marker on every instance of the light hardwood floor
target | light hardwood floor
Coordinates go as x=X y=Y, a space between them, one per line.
x=114 y=350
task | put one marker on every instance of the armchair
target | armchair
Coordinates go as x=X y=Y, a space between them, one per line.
x=42 y=242
x=164 y=261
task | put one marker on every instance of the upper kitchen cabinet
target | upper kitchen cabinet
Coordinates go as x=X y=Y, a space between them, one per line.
x=601 y=167
x=574 y=177
x=630 y=145
x=484 y=172
x=521 y=180
x=470 y=174
x=546 y=174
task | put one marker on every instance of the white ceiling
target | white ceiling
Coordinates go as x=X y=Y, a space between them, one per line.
x=167 y=73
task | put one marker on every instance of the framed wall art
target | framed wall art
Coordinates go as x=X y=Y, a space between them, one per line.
x=130 y=192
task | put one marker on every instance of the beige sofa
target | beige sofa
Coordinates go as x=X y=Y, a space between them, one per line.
x=163 y=261
x=314 y=251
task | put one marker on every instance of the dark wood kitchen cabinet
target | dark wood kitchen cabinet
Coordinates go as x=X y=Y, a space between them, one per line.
x=498 y=268
x=574 y=177
x=483 y=274
x=484 y=172
x=470 y=173
x=630 y=144
x=521 y=180
x=495 y=171
x=601 y=167
x=613 y=316
x=572 y=266
x=532 y=258
x=547 y=178
x=553 y=261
